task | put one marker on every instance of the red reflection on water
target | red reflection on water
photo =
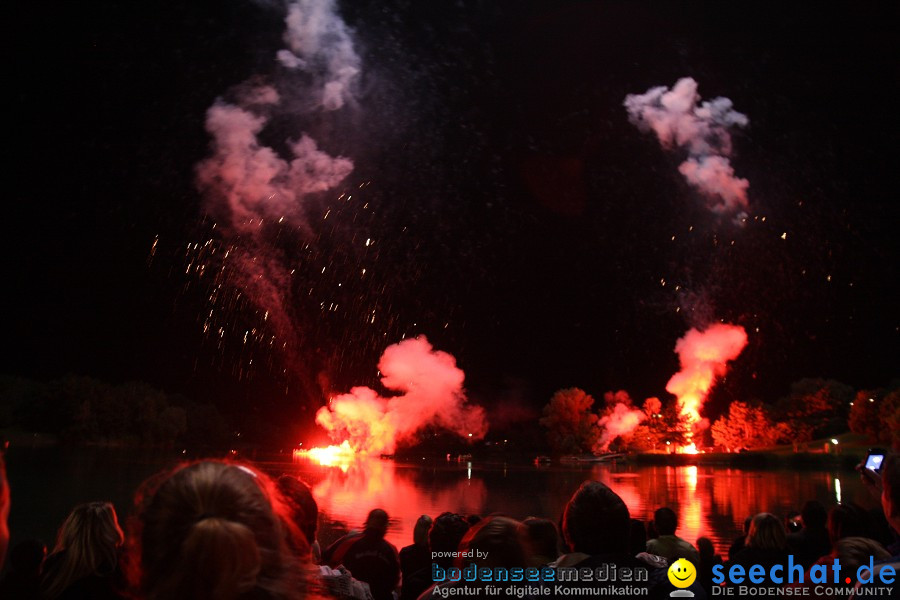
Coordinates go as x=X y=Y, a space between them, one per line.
x=713 y=502
x=350 y=490
x=710 y=501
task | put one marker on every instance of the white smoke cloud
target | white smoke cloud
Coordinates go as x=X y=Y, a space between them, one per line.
x=621 y=420
x=430 y=392
x=680 y=120
x=321 y=45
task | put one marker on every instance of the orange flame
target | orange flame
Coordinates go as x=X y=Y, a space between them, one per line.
x=428 y=391
x=704 y=357
x=689 y=449
x=330 y=456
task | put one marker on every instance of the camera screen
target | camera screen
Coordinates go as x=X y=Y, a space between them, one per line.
x=874 y=461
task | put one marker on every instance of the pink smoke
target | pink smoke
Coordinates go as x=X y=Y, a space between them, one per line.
x=715 y=175
x=678 y=119
x=620 y=421
x=430 y=393
x=248 y=182
x=704 y=356
x=252 y=180
x=249 y=186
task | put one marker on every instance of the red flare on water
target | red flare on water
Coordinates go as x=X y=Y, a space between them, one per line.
x=330 y=456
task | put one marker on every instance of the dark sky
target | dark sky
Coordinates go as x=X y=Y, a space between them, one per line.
x=523 y=224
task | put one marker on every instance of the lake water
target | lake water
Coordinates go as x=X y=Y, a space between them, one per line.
x=710 y=501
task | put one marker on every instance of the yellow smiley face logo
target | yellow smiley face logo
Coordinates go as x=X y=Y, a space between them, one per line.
x=682 y=573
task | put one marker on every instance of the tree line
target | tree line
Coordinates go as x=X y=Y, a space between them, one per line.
x=84 y=410
x=813 y=409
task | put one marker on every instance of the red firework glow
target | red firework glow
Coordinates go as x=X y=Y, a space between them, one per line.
x=430 y=392
x=704 y=356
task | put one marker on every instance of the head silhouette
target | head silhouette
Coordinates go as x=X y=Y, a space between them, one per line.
x=766 y=533
x=87 y=544
x=596 y=520
x=213 y=530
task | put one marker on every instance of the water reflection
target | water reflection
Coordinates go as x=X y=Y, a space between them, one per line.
x=348 y=492
x=711 y=502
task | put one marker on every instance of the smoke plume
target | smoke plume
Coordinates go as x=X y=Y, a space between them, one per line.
x=704 y=356
x=703 y=130
x=320 y=43
x=620 y=419
x=250 y=186
x=430 y=392
x=249 y=182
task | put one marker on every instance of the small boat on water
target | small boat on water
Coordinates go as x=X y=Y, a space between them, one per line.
x=593 y=458
x=542 y=460
x=611 y=457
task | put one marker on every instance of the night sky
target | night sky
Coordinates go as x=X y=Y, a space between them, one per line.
x=519 y=220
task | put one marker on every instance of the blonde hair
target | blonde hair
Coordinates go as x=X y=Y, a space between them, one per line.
x=213 y=530
x=766 y=533
x=87 y=544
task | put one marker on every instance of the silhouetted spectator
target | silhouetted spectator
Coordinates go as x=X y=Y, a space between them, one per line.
x=652 y=533
x=369 y=557
x=212 y=530
x=444 y=537
x=739 y=542
x=495 y=541
x=333 y=555
x=848 y=519
x=811 y=542
x=416 y=557
x=708 y=560
x=596 y=525
x=541 y=541
x=854 y=552
x=667 y=544
x=890 y=502
x=473 y=520
x=23 y=578
x=304 y=511
x=766 y=544
x=638 y=538
x=85 y=560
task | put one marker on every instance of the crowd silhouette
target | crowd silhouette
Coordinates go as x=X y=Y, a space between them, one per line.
x=225 y=530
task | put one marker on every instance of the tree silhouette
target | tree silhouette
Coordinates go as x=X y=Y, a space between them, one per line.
x=571 y=426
